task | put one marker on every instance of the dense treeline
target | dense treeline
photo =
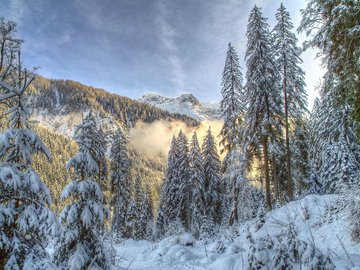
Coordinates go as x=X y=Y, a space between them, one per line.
x=274 y=153
x=64 y=96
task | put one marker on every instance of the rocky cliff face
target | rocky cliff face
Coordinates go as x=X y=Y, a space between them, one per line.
x=185 y=104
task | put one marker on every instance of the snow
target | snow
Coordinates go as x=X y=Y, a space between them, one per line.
x=185 y=104
x=331 y=234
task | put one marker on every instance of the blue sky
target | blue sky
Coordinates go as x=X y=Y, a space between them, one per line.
x=131 y=47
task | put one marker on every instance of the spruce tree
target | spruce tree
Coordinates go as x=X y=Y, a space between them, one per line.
x=212 y=183
x=26 y=221
x=197 y=179
x=169 y=200
x=146 y=214
x=335 y=152
x=121 y=183
x=79 y=246
x=144 y=217
x=264 y=113
x=183 y=178
x=287 y=55
x=333 y=28
x=232 y=103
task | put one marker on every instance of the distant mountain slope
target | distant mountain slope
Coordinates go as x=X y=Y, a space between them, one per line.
x=185 y=104
x=59 y=104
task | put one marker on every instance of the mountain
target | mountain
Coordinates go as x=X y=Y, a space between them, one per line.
x=185 y=104
x=60 y=104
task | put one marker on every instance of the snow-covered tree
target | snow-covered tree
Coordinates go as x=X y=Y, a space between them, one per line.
x=232 y=103
x=287 y=57
x=341 y=152
x=131 y=218
x=25 y=220
x=197 y=177
x=245 y=199
x=333 y=27
x=169 y=201
x=146 y=214
x=183 y=178
x=10 y=46
x=144 y=217
x=264 y=113
x=100 y=156
x=259 y=256
x=334 y=152
x=212 y=183
x=79 y=246
x=121 y=183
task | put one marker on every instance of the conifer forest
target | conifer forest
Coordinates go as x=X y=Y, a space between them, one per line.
x=267 y=176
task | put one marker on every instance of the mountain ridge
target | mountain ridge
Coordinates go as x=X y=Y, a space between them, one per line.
x=186 y=104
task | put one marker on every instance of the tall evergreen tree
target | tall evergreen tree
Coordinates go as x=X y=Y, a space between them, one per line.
x=197 y=180
x=121 y=183
x=232 y=103
x=183 y=178
x=144 y=217
x=263 y=117
x=100 y=157
x=333 y=28
x=339 y=149
x=288 y=61
x=169 y=200
x=212 y=184
x=146 y=214
x=79 y=246
x=26 y=222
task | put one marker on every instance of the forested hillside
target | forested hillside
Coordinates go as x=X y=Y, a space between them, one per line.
x=83 y=186
x=54 y=98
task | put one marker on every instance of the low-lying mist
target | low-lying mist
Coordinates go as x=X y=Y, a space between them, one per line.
x=155 y=138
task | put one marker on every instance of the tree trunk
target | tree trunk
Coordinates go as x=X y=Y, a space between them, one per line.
x=267 y=174
x=288 y=153
x=234 y=213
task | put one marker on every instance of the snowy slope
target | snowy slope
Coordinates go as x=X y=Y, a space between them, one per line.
x=184 y=104
x=330 y=231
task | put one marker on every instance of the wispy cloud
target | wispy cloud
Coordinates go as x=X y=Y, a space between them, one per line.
x=167 y=34
x=17 y=11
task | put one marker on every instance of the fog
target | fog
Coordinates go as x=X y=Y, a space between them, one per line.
x=155 y=138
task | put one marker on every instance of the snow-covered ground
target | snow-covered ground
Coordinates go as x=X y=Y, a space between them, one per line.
x=329 y=230
x=185 y=104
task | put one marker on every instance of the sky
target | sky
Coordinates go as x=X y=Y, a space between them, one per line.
x=131 y=47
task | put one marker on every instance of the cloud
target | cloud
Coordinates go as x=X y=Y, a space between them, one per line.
x=155 y=138
x=167 y=35
x=17 y=11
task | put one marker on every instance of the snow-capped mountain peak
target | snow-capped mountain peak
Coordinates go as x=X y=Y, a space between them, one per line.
x=186 y=104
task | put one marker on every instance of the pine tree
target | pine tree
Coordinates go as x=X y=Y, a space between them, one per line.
x=131 y=218
x=100 y=157
x=245 y=199
x=10 y=46
x=341 y=153
x=79 y=247
x=263 y=117
x=121 y=183
x=146 y=214
x=232 y=103
x=183 y=178
x=26 y=221
x=333 y=28
x=335 y=152
x=142 y=228
x=288 y=61
x=212 y=184
x=197 y=180
x=258 y=256
x=169 y=200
